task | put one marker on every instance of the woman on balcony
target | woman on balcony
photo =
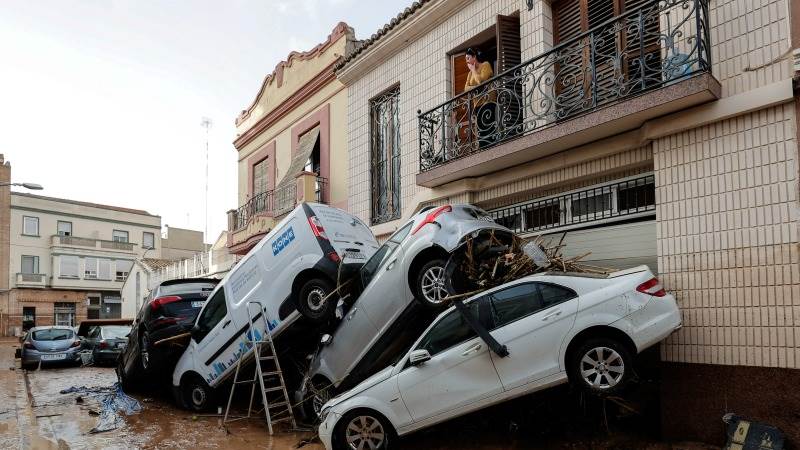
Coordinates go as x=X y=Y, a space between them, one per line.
x=483 y=100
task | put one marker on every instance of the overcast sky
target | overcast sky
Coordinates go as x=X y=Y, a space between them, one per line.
x=101 y=100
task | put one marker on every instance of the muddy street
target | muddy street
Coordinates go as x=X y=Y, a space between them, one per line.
x=34 y=414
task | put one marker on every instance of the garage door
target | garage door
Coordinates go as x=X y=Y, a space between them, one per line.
x=614 y=246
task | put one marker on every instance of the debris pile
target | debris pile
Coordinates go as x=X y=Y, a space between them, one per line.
x=111 y=401
x=490 y=258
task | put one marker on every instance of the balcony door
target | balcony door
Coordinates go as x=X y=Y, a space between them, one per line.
x=617 y=58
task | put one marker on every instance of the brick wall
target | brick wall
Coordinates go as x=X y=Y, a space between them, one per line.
x=728 y=239
x=44 y=301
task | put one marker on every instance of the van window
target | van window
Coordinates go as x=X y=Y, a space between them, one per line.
x=215 y=310
x=377 y=260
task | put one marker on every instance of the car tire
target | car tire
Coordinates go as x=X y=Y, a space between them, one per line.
x=311 y=300
x=145 y=353
x=318 y=392
x=601 y=366
x=196 y=394
x=429 y=284
x=124 y=382
x=349 y=428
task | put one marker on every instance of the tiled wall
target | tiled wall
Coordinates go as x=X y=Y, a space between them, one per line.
x=728 y=239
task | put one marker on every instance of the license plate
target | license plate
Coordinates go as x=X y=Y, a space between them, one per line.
x=53 y=357
x=354 y=255
x=198 y=304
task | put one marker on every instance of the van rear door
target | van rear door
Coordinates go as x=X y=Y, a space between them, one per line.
x=349 y=236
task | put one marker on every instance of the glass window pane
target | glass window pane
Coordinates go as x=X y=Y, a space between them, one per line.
x=68 y=266
x=30 y=226
x=595 y=204
x=452 y=330
x=119 y=236
x=64 y=228
x=90 y=268
x=260 y=177
x=215 y=310
x=514 y=303
x=104 y=269
x=30 y=264
x=553 y=295
x=148 y=240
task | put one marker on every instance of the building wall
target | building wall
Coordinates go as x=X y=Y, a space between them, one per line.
x=179 y=243
x=727 y=239
x=5 y=243
x=44 y=301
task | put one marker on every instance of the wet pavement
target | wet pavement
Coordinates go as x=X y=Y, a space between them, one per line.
x=34 y=414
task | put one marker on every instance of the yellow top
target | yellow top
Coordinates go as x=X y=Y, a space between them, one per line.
x=485 y=72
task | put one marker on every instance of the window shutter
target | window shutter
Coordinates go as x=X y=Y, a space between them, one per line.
x=508 y=47
x=509 y=113
x=569 y=22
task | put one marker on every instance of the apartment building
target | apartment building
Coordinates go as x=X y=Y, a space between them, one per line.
x=656 y=132
x=68 y=259
x=292 y=141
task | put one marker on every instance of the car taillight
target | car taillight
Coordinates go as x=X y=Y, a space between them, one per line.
x=431 y=217
x=103 y=344
x=317 y=228
x=161 y=301
x=28 y=345
x=76 y=344
x=333 y=256
x=652 y=287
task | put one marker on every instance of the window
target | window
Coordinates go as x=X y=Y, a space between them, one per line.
x=123 y=269
x=451 y=330
x=377 y=259
x=90 y=268
x=30 y=226
x=30 y=264
x=215 y=310
x=104 y=269
x=64 y=315
x=593 y=204
x=546 y=214
x=148 y=240
x=636 y=197
x=53 y=334
x=516 y=302
x=68 y=266
x=28 y=317
x=385 y=156
x=260 y=176
x=119 y=236
x=64 y=228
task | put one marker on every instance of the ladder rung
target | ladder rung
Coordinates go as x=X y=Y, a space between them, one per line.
x=273 y=405
x=273 y=389
x=244 y=382
x=262 y=358
x=276 y=372
x=281 y=419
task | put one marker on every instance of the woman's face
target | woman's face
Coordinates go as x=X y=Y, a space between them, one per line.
x=470 y=59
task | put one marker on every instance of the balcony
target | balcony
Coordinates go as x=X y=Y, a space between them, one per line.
x=91 y=244
x=260 y=213
x=34 y=280
x=643 y=64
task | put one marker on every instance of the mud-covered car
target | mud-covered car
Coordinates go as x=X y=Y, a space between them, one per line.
x=402 y=288
x=170 y=310
x=50 y=345
x=106 y=339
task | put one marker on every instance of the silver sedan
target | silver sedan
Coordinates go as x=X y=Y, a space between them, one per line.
x=53 y=344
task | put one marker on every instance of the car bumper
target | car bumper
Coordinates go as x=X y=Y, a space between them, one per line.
x=106 y=355
x=325 y=430
x=653 y=323
x=35 y=356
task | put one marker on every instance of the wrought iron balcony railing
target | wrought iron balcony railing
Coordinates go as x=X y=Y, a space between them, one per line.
x=277 y=201
x=259 y=203
x=655 y=45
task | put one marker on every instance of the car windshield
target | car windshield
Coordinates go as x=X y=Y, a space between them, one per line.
x=53 y=334
x=183 y=288
x=372 y=266
x=115 y=331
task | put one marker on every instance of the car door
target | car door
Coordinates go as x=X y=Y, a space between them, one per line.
x=459 y=373
x=386 y=295
x=531 y=320
x=215 y=333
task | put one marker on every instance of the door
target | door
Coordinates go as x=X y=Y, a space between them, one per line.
x=216 y=333
x=386 y=293
x=532 y=320
x=28 y=317
x=459 y=373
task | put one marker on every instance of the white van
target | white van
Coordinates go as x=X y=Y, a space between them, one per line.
x=290 y=272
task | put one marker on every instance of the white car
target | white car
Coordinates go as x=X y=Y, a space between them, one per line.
x=557 y=327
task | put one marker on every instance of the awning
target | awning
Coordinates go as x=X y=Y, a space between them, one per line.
x=304 y=150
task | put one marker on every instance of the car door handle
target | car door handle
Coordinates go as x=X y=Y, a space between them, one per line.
x=551 y=315
x=390 y=266
x=352 y=313
x=227 y=322
x=471 y=350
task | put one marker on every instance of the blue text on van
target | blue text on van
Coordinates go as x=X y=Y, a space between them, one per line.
x=282 y=241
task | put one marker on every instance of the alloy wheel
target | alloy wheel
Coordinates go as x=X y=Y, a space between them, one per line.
x=602 y=368
x=365 y=433
x=433 y=285
x=144 y=353
x=316 y=299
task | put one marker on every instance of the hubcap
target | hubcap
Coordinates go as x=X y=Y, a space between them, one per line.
x=316 y=298
x=602 y=368
x=145 y=353
x=198 y=396
x=365 y=432
x=433 y=285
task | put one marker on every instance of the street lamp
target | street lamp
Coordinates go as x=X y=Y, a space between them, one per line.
x=31 y=186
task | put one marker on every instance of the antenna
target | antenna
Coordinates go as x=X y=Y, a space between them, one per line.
x=205 y=122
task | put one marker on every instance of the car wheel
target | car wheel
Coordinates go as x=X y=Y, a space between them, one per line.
x=124 y=381
x=145 y=354
x=318 y=392
x=429 y=284
x=311 y=300
x=601 y=366
x=364 y=429
x=197 y=394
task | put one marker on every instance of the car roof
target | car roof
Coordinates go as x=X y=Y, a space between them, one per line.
x=189 y=280
x=51 y=327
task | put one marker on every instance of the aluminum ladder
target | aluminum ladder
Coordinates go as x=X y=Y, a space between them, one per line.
x=274 y=397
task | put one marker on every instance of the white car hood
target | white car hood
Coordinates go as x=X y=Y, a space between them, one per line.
x=383 y=375
x=449 y=237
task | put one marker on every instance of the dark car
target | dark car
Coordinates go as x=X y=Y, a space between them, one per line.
x=47 y=345
x=169 y=311
x=106 y=342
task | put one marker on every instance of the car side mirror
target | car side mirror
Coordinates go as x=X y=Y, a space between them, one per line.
x=326 y=340
x=418 y=357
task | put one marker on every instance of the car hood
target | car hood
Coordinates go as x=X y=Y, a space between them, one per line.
x=451 y=234
x=383 y=375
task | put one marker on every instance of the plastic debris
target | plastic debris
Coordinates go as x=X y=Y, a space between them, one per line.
x=112 y=401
